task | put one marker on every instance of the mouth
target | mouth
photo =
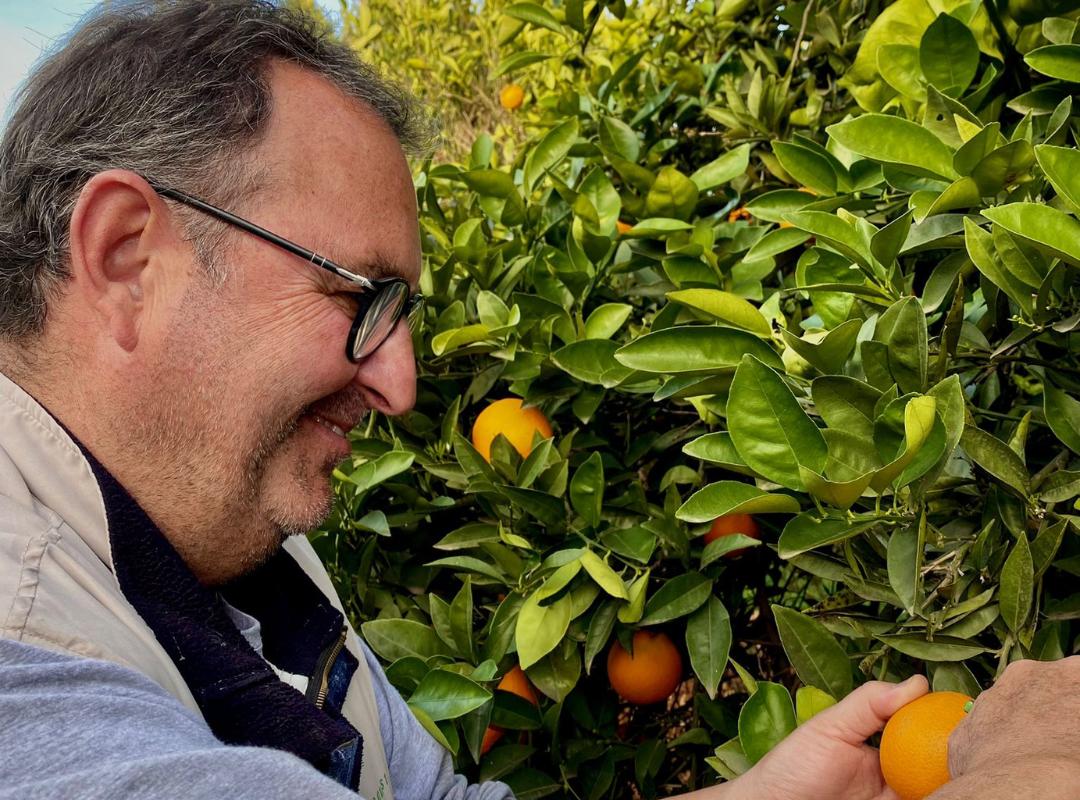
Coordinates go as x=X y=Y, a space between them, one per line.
x=337 y=427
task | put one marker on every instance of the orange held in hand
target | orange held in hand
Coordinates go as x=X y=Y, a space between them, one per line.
x=514 y=682
x=651 y=674
x=517 y=424
x=915 y=744
x=733 y=523
x=512 y=97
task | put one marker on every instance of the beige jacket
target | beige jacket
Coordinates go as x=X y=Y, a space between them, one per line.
x=57 y=587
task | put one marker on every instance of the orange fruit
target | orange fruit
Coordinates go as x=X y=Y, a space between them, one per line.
x=733 y=523
x=786 y=225
x=517 y=424
x=915 y=744
x=623 y=227
x=740 y=213
x=514 y=682
x=651 y=674
x=511 y=97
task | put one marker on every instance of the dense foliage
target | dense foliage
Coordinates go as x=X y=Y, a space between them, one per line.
x=814 y=262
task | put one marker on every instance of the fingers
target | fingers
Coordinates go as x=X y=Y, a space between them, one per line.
x=865 y=711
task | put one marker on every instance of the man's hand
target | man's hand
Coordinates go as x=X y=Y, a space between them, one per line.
x=1026 y=726
x=828 y=757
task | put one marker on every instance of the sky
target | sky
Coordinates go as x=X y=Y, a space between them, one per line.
x=28 y=27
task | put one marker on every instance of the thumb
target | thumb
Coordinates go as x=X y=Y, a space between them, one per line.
x=865 y=711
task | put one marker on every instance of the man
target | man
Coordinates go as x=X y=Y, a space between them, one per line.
x=177 y=382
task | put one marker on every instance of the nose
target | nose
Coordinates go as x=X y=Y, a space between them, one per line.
x=387 y=378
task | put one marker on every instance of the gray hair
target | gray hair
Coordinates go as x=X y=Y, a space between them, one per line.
x=176 y=91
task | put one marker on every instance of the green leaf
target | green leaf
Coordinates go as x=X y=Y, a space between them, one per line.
x=811 y=701
x=549 y=510
x=635 y=543
x=726 y=307
x=1017 y=585
x=770 y=430
x=592 y=361
x=447 y=695
x=672 y=195
x=1060 y=486
x=809 y=168
x=1061 y=61
x=1062 y=415
x=469 y=564
x=618 y=137
x=386 y=466
x=604 y=575
x=808 y=531
x=827 y=352
x=461 y=620
x=776 y=242
x=587 y=490
x=817 y=657
x=540 y=628
x=724 y=545
x=722 y=170
x=638 y=591
x=846 y=403
x=837 y=233
x=471 y=535
x=776 y=205
x=733 y=497
x=397 y=638
x=516 y=61
x=766 y=719
x=980 y=247
x=534 y=14
x=557 y=673
x=702 y=350
x=678 y=597
x=719 y=449
x=1062 y=168
x=920 y=421
x=949 y=55
x=895 y=141
x=1052 y=231
x=605 y=321
x=903 y=565
x=551 y=150
x=943 y=648
x=994 y=456
x=600 y=628
x=708 y=640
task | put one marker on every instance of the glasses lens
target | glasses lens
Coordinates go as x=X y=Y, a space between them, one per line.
x=380 y=318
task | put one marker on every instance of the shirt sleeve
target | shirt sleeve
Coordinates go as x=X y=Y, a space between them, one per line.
x=420 y=767
x=78 y=727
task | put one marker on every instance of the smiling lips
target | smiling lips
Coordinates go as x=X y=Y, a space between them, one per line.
x=328 y=424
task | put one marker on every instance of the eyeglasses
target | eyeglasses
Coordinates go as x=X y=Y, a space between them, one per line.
x=382 y=303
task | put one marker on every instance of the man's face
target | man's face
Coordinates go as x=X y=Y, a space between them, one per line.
x=254 y=375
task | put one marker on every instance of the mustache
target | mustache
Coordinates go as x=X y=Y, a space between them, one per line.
x=348 y=406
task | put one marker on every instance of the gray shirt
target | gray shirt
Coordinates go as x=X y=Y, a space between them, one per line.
x=87 y=729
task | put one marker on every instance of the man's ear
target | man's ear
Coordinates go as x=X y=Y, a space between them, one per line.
x=118 y=225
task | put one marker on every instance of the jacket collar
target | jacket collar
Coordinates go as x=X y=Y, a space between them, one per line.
x=40 y=450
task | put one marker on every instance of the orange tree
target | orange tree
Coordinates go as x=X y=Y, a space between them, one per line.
x=808 y=262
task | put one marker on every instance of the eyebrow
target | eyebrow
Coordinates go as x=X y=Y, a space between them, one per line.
x=374 y=267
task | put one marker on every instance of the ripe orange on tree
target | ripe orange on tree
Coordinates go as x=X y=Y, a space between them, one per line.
x=733 y=523
x=623 y=227
x=514 y=682
x=915 y=744
x=651 y=674
x=517 y=424
x=511 y=97
x=740 y=213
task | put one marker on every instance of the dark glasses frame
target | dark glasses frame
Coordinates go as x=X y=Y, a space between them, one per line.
x=373 y=293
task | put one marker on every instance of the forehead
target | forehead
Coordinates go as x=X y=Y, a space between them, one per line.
x=338 y=180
